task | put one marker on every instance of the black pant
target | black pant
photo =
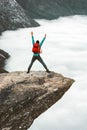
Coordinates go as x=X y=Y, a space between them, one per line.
x=40 y=60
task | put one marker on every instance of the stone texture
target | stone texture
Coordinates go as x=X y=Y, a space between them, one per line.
x=23 y=97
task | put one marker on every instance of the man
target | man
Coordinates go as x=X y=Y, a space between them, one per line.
x=36 y=54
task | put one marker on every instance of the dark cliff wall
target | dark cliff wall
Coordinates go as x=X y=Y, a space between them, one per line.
x=13 y=16
x=3 y=56
x=51 y=9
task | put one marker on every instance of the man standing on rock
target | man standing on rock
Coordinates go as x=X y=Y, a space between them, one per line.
x=36 y=53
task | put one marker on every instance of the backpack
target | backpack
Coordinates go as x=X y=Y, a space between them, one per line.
x=36 y=48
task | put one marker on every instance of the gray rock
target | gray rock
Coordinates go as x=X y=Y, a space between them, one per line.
x=3 y=57
x=13 y=16
x=4 y=54
x=51 y=9
x=23 y=97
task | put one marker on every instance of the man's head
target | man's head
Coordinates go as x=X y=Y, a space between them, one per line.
x=37 y=41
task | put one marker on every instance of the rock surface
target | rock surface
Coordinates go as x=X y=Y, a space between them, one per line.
x=50 y=9
x=23 y=97
x=13 y=16
x=3 y=56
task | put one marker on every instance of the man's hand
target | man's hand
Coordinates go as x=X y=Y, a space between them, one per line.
x=45 y=35
x=32 y=33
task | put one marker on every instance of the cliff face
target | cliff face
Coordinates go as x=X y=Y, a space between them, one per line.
x=51 y=9
x=13 y=16
x=3 y=56
x=23 y=97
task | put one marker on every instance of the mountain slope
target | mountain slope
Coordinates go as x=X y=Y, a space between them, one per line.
x=13 y=16
x=50 y=9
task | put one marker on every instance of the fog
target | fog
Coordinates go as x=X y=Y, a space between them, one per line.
x=65 y=52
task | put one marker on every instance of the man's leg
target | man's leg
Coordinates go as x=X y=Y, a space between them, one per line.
x=42 y=62
x=32 y=61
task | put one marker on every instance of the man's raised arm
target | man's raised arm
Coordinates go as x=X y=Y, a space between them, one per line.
x=43 y=40
x=33 y=41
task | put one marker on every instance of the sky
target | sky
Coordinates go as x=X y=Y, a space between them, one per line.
x=64 y=51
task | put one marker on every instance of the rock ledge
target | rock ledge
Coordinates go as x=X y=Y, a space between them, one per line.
x=23 y=97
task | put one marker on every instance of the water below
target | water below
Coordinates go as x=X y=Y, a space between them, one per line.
x=65 y=52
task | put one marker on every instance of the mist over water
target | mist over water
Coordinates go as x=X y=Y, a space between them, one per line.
x=65 y=52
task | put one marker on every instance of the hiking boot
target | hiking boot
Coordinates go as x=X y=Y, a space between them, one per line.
x=28 y=71
x=47 y=71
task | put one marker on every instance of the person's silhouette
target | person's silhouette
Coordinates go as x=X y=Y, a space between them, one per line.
x=36 y=53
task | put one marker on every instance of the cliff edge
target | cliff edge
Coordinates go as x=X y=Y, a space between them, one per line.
x=23 y=97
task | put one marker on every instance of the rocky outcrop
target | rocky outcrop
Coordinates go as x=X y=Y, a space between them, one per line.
x=3 y=56
x=13 y=16
x=50 y=9
x=23 y=97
